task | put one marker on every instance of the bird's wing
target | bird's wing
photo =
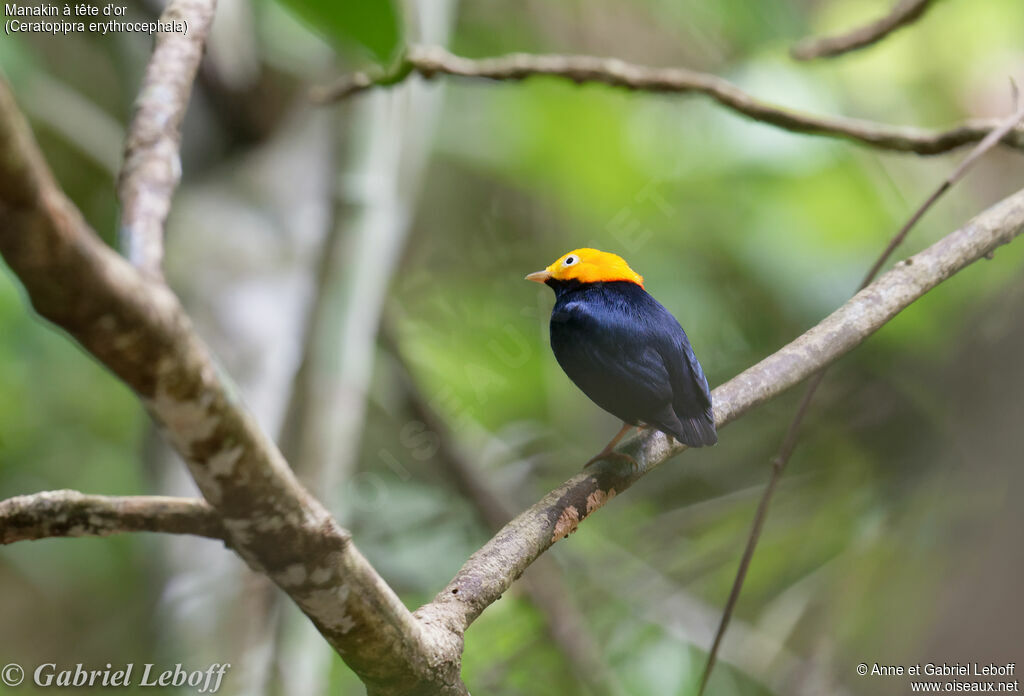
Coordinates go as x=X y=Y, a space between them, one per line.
x=689 y=385
x=691 y=397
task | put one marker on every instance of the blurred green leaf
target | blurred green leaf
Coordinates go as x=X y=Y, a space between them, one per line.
x=375 y=25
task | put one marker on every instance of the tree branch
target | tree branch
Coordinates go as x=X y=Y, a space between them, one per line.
x=139 y=330
x=73 y=514
x=432 y=61
x=152 y=164
x=905 y=12
x=491 y=570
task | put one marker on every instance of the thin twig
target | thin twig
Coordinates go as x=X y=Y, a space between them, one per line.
x=905 y=12
x=789 y=442
x=152 y=163
x=961 y=170
x=432 y=61
x=73 y=514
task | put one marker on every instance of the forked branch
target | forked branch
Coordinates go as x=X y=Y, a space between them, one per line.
x=138 y=329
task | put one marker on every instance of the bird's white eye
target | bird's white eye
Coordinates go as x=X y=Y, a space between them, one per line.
x=570 y=260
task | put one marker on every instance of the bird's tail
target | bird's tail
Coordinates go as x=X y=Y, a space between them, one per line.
x=698 y=431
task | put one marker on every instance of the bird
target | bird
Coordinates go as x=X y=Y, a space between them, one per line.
x=625 y=351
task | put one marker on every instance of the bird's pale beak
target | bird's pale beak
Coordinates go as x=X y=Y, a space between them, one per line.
x=539 y=276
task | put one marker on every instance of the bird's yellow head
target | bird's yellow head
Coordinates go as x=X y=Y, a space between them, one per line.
x=588 y=266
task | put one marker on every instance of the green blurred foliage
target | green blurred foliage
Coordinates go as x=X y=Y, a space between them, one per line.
x=888 y=538
x=373 y=25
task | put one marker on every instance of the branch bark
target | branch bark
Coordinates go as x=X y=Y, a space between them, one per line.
x=73 y=514
x=139 y=330
x=491 y=570
x=432 y=61
x=152 y=164
x=905 y=12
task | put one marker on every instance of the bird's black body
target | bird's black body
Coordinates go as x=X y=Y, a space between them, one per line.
x=631 y=357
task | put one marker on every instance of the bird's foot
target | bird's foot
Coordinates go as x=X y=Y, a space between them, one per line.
x=600 y=456
x=609 y=450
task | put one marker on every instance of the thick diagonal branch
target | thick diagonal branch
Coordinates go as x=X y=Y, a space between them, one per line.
x=433 y=61
x=492 y=569
x=139 y=330
x=152 y=164
x=74 y=514
x=905 y=12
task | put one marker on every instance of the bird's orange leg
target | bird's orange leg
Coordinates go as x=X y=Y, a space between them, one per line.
x=608 y=451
